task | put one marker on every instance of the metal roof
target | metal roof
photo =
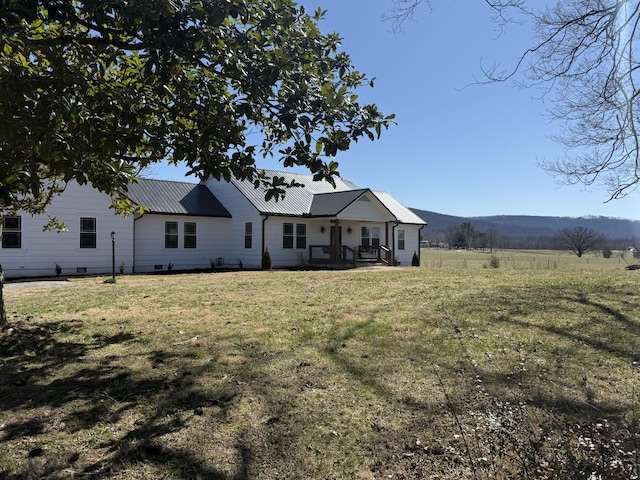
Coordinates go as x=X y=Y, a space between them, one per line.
x=402 y=213
x=319 y=199
x=331 y=204
x=176 y=198
x=297 y=200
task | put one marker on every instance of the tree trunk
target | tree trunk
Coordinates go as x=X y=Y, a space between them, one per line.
x=4 y=325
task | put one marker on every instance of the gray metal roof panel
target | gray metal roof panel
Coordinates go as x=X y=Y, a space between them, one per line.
x=402 y=213
x=176 y=198
x=297 y=200
x=331 y=204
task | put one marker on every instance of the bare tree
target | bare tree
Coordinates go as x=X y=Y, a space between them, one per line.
x=580 y=240
x=584 y=58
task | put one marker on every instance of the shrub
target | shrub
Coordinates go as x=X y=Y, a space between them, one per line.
x=266 y=260
x=606 y=252
x=494 y=262
x=415 y=261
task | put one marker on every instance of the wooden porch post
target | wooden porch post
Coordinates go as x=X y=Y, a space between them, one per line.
x=334 y=240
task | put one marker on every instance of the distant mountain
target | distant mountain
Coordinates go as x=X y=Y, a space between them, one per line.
x=525 y=225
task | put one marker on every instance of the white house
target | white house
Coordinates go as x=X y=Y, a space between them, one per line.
x=86 y=246
x=215 y=223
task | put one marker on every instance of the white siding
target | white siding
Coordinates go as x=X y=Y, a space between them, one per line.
x=365 y=209
x=150 y=248
x=42 y=250
x=218 y=239
x=242 y=211
x=290 y=257
x=411 y=243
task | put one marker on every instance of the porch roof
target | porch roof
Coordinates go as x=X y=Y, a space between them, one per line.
x=331 y=204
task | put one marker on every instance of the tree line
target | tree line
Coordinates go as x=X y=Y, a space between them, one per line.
x=578 y=240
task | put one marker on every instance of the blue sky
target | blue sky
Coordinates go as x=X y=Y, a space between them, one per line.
x=459 y=151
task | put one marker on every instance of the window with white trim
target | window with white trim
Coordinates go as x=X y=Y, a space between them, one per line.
x=301 y=235
x=12 y=231
x=287 y=235
x=88 y=232
x=170 y=234
x=190 y=237
x=370 y=236
x=248 y=235
x=400 y=239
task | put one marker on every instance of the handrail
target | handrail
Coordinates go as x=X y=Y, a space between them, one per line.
x=387 y=255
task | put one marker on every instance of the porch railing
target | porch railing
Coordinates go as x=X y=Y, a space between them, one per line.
x=380 y=254
x=328 y=254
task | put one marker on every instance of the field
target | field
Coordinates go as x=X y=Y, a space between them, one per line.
x=475 y=365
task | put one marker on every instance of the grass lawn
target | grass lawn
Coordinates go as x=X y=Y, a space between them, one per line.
x=450 y=370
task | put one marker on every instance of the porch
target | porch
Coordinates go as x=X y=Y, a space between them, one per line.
x=344 y=256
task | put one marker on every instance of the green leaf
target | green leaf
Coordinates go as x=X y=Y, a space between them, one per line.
x=218 y=85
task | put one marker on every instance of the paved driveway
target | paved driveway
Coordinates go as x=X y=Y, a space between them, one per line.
x=38 y=284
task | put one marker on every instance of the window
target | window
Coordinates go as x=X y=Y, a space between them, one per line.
x=12 y=232
x=375 y=236
x=365 y=235
x=170 y=234
x=87 y=232
x=287 y=235
x=248 y=234
x=301 y=235
x=370 y=236
x=400 y=239
x=190 y=235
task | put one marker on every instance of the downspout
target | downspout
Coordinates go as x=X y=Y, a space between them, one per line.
x=266 y=217
x=393 y=243
x=419 y=249
x=133 y=267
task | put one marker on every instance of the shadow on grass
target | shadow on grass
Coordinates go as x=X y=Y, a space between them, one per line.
x=40 y=373
x=606 y=320
x=492 y=410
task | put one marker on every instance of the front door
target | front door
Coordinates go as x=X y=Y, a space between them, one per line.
x=336 y=240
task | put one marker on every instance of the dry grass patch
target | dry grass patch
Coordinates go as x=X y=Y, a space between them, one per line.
x=459 y=371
